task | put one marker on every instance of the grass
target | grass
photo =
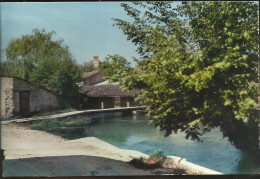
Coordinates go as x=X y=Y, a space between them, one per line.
x=156 y=160
x=41 y=114
x=158 y=154
x=10 y=118
x=53 y=123
x=70 y=128
x=54 y=112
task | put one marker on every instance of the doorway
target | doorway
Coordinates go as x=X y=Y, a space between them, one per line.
x=24 y=103
x=117 y=103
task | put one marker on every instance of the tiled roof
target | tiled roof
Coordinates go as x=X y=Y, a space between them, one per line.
x=88 y=74
x=107 y=91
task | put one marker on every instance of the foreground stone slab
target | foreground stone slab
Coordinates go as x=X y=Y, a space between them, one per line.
x=61 y=166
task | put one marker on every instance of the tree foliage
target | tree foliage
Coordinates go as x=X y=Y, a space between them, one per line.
x=113 y=66
x=199 y=63
x=46 y=63
x=86 y=67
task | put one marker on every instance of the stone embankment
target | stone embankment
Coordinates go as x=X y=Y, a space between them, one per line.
x=75 y=113
x=37 y=153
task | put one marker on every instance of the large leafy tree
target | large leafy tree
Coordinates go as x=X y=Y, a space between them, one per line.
x=45 y=62
x=114 y=66
x=198 y=63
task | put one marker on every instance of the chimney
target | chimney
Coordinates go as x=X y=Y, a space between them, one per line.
x=95 y=61
x=95 y=58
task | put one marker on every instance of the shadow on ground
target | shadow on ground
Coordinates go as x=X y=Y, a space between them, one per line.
x=68 y=166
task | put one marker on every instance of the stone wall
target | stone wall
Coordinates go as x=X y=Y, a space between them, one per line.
x=40 y=99
x=7 y=95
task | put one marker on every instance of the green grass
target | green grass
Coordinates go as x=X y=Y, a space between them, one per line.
x=53 y=123
x=69 y=128
x=46 y=124
x=54 y=112
x=158 y=154
x=10 y=118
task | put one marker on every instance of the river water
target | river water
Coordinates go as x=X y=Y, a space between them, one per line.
x=134 y=133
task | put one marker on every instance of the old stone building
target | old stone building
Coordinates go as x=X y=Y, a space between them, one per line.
x=108 y=96
x=19 y=97
x=102 y=95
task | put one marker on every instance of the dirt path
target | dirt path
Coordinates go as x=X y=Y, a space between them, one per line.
x=37 y=153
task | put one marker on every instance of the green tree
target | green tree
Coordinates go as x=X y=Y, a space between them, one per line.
x=46 y=63
x=199 y=63
x=114 y=65
x=227 y=36
x=28 y=50
x=86 y=67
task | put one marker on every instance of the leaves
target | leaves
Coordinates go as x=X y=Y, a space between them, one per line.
x=46 y=63
x=199 y=63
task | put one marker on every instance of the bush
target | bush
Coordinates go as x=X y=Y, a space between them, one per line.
x=55 y=124
x=156 y=160
x=158 y=153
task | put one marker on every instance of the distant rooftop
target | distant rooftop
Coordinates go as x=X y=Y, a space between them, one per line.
x=92 y=73
x=107 y=91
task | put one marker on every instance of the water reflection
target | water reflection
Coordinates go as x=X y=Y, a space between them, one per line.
x=249 y=161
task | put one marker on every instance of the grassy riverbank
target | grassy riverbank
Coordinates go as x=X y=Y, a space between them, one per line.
x=60 y=111
x=61 y=127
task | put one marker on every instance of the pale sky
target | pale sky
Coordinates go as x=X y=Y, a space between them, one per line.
x=86 y=27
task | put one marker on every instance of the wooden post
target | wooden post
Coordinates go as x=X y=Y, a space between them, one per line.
x=102 y=105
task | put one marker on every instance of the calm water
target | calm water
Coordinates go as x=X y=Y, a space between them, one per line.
x=134 y=133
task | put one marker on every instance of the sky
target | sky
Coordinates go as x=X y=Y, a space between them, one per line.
x=86 y=27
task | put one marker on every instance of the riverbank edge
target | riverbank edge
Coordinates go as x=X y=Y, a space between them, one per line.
x=112 y=151
x=76 y=113
x=194 y=168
